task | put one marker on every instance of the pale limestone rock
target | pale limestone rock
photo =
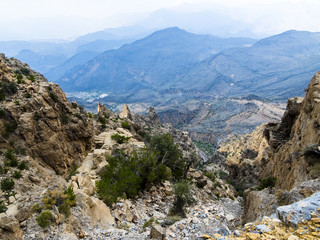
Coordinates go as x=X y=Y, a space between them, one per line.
x=99 y=212
x=125 y=112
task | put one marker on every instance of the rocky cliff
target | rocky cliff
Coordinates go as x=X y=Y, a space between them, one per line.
x=275 y=164
x=36 y=116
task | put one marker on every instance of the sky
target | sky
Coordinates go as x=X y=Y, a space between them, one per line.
x=67 y=19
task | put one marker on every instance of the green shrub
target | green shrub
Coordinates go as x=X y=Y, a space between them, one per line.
x=36 y=208
x=2 y=113
x=211 y=176
x=266 y=182
x=3 y=169
x=25 y=71
x=148 y=223
x=65 y=119
x=31 y=78
x=3 y=208
x=119 y=139
x=36 y=116
x=125 y=125
x=10 y=159
x=170 y=154
x=28 y=95
x=2 y=95
x=182 y=197
x=45 y=219
x=17 y=174
x=71 y=197
x=90 y=115
x=125 y=176
x=23 y=166
x=7 y=184
x=64 y=209
x=53 y=96
x=9 y=128
x=63 y=200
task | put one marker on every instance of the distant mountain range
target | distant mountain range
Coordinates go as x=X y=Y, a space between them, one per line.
x=152 y=63
x=173 y=63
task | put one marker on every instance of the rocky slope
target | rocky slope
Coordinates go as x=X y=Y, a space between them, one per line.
x=36 y=116
x=276 y=163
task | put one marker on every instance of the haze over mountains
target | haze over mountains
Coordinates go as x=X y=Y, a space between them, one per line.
x=199 y=83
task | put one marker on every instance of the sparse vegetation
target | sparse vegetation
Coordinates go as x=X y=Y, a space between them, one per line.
x=45 y=219
x=36 y=208
x=149 y=223
x=65 y=119
x=17 y=174
x=170 y=154
x=63 y=200
x=125 y=176
x=7 y=184
x=53 y=96
x=266 y=183
x=125 y=125
x=119 y=139
x=3 y=208
x=183 y=197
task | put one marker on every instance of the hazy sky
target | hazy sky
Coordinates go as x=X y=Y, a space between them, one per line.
x=41 y=19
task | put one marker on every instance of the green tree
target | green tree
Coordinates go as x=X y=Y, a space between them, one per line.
x=170 y=154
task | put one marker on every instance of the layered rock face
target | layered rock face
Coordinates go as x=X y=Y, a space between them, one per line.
x=295 y=140
x=37 y=116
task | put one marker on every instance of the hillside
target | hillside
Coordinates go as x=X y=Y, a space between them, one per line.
x=169 y=62
x=149 y=63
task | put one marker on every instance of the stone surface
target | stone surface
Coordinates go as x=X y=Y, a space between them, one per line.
x=293 y=214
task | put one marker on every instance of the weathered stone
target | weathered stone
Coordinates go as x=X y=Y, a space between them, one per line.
x=157 y=232
x=23 y=214
x=293 y=214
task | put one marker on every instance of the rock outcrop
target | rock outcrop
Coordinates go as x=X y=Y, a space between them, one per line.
x=37 y=116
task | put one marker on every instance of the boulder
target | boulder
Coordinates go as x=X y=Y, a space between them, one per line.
x=293 y=214
x=157 y=232
x=99 y=212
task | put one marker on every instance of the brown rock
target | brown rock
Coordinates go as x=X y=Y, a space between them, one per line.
x=157 y=232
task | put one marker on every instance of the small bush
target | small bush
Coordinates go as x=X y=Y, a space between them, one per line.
x=10 y=158
x=25 y=71
x=36 y=208
x=9 y=128
x=119 y=139
x=266 y=182
x=3 y=169
x=65 y=119
x=7 y=184
x=3 y=208
x=183 y=197
x=45 y=219
x=64 y=209
x=125 y=125
x=2 y=95
x=71 y=197
x=36 y=116
x=28 y=95
x=2 y=113
x=148 y=223
x=170 y=154
x=31 y=78
x=17 y=174
x=125 y=176
x=90 y=115
x=53 y=96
